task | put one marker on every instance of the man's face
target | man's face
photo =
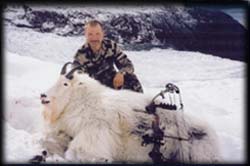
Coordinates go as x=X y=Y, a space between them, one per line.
x=94 y=36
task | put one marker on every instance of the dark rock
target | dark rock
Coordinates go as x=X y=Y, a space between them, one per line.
x=182 y=28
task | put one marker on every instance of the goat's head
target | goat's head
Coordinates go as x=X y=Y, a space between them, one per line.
x=58 y=97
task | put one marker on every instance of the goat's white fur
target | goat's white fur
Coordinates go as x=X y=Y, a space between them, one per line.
x=97 y=124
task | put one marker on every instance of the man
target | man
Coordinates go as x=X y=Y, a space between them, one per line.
x=99 y=56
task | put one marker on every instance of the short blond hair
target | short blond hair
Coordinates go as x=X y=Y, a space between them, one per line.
x=93 y=23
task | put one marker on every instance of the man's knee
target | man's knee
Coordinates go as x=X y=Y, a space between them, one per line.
x=131 y=82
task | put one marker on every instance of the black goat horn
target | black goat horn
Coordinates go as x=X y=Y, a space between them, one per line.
x=70 y=74
x=63 y=70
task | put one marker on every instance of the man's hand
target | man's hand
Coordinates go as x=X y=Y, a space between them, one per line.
x=118 y=80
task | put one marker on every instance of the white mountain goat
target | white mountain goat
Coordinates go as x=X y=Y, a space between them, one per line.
x=89 y=122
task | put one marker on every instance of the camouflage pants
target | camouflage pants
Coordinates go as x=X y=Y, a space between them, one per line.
x=131 y=81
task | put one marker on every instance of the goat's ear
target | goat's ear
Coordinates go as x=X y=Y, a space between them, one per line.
x=79 y=71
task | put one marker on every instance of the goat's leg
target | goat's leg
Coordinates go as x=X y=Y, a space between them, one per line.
x=52 y=144
x=96 y=144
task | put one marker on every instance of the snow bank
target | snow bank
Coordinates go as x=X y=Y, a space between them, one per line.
x=212 y=88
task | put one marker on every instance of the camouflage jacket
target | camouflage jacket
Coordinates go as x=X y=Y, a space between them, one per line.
x=101 y=65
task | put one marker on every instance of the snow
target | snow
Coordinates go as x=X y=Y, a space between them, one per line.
x=212 y=88
x=48 y=46
x=20 y=152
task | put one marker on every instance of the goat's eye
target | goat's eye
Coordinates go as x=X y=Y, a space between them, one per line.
x=65 y=84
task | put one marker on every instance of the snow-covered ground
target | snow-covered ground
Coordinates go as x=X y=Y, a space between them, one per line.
x=213 y=89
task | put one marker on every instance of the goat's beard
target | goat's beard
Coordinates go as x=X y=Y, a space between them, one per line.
x=50 y=112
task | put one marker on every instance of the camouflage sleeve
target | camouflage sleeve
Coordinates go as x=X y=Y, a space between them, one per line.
x=80 y=58
x=121 y=61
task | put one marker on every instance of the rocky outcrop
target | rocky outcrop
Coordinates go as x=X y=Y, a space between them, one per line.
x=181 y=28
